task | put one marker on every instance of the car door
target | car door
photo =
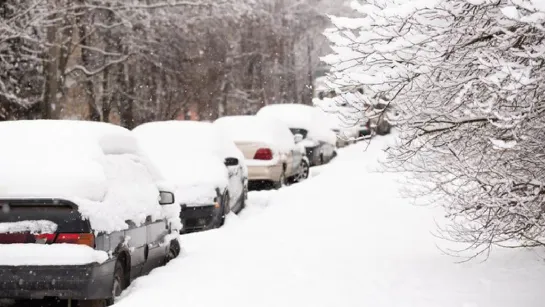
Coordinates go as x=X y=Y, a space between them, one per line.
x=157 y=230
x=297 y=157
x=135 y=239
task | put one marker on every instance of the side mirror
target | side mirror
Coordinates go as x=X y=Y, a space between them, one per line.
x=231 y=162
x=166 y=198
x=298 y=138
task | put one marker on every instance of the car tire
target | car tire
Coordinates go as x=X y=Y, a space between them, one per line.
x=242 y=201
x=173 y=250
x=304 y=172
x=118 y=286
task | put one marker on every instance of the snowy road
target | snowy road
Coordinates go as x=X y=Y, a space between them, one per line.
x=342 y=238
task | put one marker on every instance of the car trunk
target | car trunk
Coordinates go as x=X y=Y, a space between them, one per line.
x=40 y=221
x=249 y=149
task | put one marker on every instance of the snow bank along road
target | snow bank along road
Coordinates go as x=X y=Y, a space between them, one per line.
x=343 y=238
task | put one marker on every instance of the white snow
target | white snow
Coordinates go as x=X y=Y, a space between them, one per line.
x=54 y=254
x=99 y=166
x=303 y=117
x=253 y=129
x=33 y=227
x=510 y=12
x=190 y=156
x=343 y=238
x=501 y=144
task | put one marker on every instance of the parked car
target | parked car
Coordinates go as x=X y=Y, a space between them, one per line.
x=364 y=129
x=344 y=128
x=83 y=212
x=269 y=149
x=309 y=122
x=207 y=168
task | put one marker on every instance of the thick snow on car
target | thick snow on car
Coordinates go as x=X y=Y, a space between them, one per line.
x=81 y=213
x=268 y=146
x=205 y=165
x=311 y=124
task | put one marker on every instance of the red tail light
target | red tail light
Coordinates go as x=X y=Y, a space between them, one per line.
x=263 y=154
x=76 y=238
x=13 y=238
x=48 y=238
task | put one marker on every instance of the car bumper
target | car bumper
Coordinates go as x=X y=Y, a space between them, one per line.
x=93 y=281
x=198 y=218
x=264 y=173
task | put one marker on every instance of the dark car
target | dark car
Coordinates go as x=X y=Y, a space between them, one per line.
x=207 y=169
x=317 y=152
x=81 y=217
x=93 y=284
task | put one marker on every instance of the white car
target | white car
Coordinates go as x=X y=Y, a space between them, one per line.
x=309 y=122
x=208 y=170
x=269 y=148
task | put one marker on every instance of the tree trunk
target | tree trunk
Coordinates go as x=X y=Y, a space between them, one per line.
x=51 y=71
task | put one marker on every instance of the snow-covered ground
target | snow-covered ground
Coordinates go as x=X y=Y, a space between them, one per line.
x=342 y=238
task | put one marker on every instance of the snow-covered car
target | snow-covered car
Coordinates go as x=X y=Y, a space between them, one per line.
x=311 y=123
x=272 y=157
x=207 y=168
x=83 y=212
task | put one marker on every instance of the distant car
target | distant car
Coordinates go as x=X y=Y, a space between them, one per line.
x=364 y=129
x=206 y=167
x=82 y=212
x=269 y=149
x=311 y=124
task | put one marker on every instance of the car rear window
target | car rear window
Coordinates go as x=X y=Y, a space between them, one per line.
x=68 y=219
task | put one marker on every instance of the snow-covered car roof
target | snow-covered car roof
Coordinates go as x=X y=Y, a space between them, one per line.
x=190 y=155
x=252 y=129
x=98 y=166
x=302 y=117
x=199 y=137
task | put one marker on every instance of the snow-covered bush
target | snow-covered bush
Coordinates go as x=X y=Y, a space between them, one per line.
x=467 y=81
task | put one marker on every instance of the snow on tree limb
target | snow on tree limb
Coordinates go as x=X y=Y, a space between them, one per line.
x=467 y=81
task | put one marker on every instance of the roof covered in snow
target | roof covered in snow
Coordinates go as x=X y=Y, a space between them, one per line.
x=303 y=117
x=99 y=166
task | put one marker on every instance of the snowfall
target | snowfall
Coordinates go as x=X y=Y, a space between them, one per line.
x=344 y=237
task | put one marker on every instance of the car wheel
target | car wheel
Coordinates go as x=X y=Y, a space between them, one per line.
x=242 y=201
x=118 y=286
x=305 y=171
x=173 y=250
